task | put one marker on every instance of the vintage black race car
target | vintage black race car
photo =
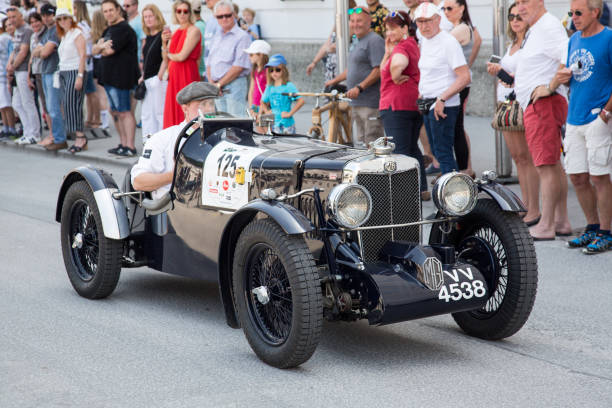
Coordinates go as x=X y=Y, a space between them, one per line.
x=297 y=230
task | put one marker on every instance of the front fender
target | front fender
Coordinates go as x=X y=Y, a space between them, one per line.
x=503 y=196
x=289 y=218
x=113 y=213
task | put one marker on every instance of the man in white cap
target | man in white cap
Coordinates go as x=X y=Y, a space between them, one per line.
x=155 y=167
x=444 y=73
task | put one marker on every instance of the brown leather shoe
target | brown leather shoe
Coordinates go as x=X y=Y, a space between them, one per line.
x=56 y=146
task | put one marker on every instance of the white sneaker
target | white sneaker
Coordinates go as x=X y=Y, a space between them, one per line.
x=26 y=140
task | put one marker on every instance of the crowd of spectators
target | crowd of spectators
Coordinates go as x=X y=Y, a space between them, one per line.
x=408 y=75
x=52 y=59
x=416 y=65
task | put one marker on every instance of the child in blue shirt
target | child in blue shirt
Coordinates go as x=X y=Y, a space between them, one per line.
x=274 y=100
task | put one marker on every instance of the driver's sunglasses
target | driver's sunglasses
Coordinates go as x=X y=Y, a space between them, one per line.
x=577 y=12
x=396 y=14
x=512 y=17
x=357 y=10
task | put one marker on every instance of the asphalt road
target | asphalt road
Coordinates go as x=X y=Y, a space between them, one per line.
x=161 y=341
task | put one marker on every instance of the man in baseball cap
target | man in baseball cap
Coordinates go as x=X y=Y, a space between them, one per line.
x=155 y=167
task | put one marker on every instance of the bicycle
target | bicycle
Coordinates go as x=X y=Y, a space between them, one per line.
x=339 y=116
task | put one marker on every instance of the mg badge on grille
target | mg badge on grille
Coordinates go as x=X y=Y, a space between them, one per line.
x=430 y=273
x=390 y=166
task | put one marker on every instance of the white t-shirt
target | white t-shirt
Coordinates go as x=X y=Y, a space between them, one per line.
x=508 y=63
x=158 y=156
x=68 y=54
x=440 y=56
x=542 y=52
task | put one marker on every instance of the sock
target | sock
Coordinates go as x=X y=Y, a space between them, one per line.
x=5 y=128
x=592 y=227
x=604 y=232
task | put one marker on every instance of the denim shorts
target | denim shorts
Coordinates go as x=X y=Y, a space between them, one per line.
x=90 y=86
x=119 y=99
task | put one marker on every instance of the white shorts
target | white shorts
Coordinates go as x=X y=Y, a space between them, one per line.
x=588 y=148
x=5 y=96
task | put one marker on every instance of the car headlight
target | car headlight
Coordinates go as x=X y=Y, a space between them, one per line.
x=350 y=205
x=455 y=194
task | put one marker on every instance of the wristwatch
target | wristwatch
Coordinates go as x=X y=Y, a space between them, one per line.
x=359 y=87
x=80 y=75
x=607 y=114
x=443 y=100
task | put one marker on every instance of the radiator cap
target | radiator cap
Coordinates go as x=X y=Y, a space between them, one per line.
x=382 y=146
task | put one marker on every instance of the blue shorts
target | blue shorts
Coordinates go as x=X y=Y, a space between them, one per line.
x=119 y=99
x=90 y=86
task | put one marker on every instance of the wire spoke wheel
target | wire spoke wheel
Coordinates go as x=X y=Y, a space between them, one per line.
x=84 y=236
x=511 y=270
x=277 y=294
x=93 y=262
x=264 y=269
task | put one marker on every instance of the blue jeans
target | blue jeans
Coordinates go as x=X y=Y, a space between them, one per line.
x=119 y=99
x=404 y=127
x=52 y=100
x=234 y=102
x=441 y=135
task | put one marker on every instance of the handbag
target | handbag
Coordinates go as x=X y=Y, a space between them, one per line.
x=141 y=89
x=424 y=105
x=509 y=116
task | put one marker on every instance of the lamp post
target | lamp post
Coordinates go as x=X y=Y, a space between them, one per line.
x=503 y=161
x=342 y=34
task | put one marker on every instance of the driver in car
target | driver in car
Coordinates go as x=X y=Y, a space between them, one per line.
x=155 y=167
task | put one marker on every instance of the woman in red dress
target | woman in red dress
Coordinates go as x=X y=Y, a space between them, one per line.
x=183 y=52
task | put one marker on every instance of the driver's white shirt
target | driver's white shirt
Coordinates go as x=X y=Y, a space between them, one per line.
x=158 y=156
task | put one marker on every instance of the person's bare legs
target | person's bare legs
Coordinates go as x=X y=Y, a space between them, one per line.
x=562 y=224
x=128 y=124
x=585 y=192
x=552 y=201
x=603 y=189
x=527 y=174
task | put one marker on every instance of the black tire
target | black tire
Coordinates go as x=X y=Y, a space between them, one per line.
x=94 y=267
x=510 y=304
x=284 y=332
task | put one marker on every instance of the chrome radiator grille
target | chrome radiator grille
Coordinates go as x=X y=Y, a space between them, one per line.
x=395 y=200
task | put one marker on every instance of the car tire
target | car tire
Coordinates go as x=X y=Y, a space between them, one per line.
x=285 y=331
x=510 y=304
x=93 y=267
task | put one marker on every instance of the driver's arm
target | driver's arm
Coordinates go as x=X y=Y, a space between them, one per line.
x=153 y=170
x=151 y=181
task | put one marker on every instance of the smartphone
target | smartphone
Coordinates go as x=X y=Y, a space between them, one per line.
x=495 y=59
x=505 y=77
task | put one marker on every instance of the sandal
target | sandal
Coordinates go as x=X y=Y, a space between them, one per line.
x=77 y=149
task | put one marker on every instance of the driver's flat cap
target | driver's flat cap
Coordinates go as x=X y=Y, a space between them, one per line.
x=197 y=91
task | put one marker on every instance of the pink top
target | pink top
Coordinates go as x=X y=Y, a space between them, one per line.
x=259 y=86
x=401 y=97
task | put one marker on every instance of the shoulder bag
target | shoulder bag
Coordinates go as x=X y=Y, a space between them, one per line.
x=509 y=116
x=141 y=89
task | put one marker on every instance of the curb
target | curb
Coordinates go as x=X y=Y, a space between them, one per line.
x=64 y=154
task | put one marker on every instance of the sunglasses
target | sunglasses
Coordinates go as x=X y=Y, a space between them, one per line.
x=447 y=8
x=396 y=14
x=222 y=16
x=357 y=10
x=276 y=69
x=512 y=17
x=182 y=11
x=577 y=12
x=62 y=18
